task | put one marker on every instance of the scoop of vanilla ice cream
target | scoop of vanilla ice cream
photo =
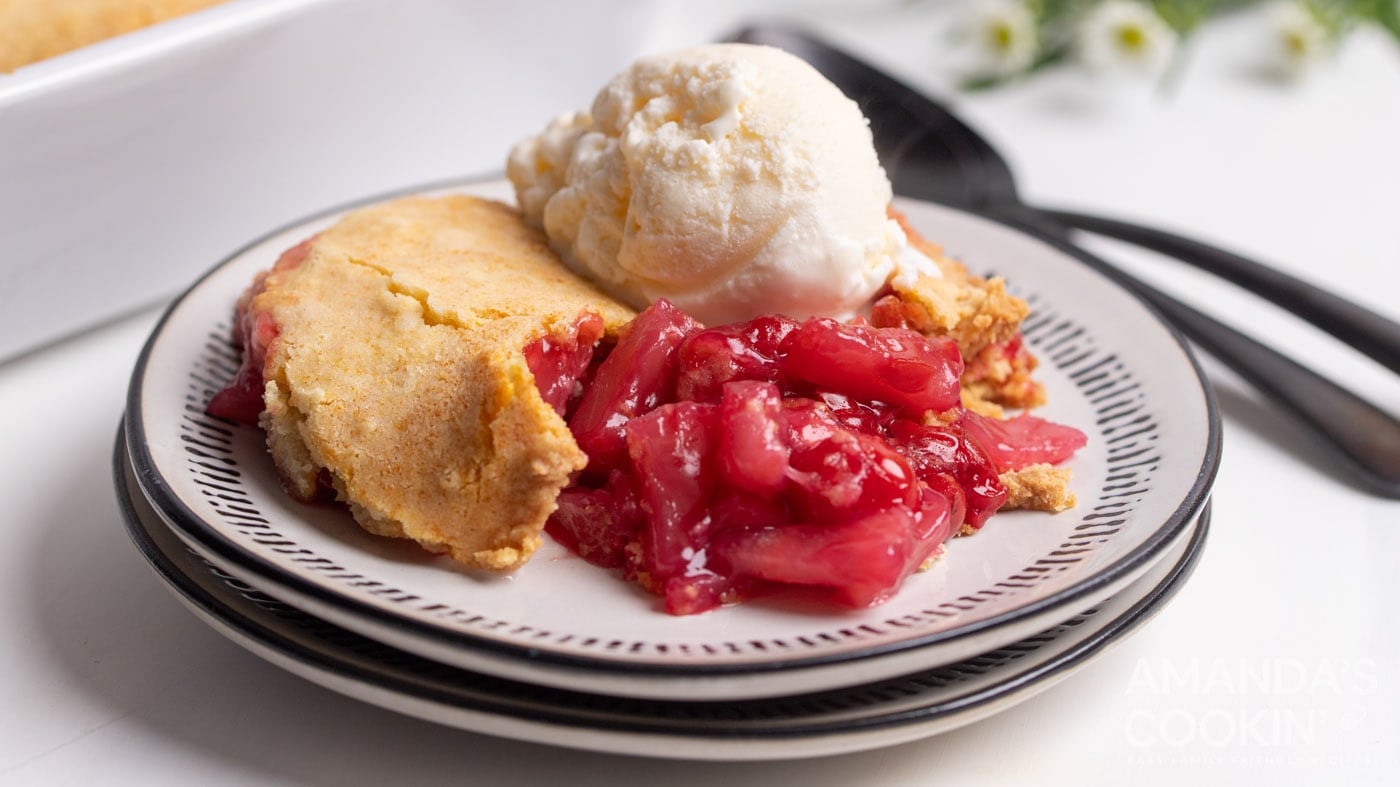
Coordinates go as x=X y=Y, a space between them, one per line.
x=731 y=179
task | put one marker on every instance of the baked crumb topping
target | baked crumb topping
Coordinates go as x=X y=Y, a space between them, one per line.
x=1039 y=487
x=397 y=374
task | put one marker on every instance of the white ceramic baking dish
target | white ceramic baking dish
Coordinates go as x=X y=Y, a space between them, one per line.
x=129 y=166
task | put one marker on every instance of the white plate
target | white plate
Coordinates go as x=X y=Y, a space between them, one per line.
x=830 y=722
x=1110 y=366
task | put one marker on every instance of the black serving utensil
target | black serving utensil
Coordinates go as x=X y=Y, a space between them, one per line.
x=930 y=154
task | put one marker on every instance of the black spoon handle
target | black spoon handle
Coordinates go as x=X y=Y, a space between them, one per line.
x=1365 y=438
x=1363 y=329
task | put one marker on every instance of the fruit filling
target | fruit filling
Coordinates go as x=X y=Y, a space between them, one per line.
x=242 y=399
x=560 y=362
x=727 y=462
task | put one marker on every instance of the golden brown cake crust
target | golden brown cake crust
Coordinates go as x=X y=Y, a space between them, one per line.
x=1038 y=487
x=973 y=311
x=398 y=371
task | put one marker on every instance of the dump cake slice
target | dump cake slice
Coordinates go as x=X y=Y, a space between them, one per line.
x=384 y=357
x=431 y=364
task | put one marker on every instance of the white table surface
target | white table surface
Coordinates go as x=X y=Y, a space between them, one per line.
x=1279 y=662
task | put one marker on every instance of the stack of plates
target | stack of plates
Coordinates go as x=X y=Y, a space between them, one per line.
x=565 y=652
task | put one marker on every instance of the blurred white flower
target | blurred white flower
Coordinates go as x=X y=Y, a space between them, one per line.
x=1126 y=35
x=1300 y=37
x=1004 y=35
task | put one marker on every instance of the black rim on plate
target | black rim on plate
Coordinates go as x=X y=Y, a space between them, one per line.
x=256 y=569
x=360 y=660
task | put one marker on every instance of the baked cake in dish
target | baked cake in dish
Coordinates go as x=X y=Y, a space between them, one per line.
x=34 y=30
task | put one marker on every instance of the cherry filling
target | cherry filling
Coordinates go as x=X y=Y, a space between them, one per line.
x=560 y=362
x=1024 y=440
x=241 y=400
x=637 y=376
x=726 y=462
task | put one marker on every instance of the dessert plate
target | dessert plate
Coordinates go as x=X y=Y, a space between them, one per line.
x=1111 y=368
x=824 y=723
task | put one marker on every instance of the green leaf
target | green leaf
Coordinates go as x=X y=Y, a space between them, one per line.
x=1183 y=16
x=987 y=81
x=1385 y=13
